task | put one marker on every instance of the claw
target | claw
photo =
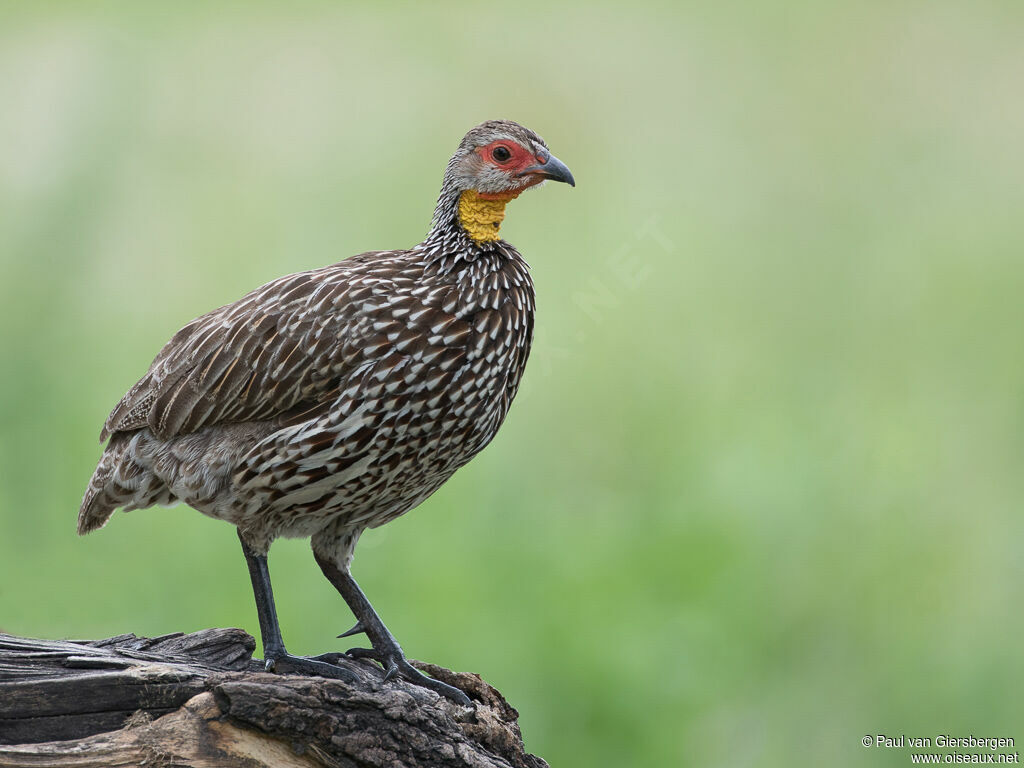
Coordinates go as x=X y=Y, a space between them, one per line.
x=392 y=671
x=357 y=629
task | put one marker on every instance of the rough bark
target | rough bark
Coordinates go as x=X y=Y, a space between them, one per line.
x=201 y=700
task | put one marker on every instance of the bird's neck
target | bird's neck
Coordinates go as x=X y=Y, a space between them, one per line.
x=467 y=220
x=480 y=214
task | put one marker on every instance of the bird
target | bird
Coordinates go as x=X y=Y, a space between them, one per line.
x=336 y=399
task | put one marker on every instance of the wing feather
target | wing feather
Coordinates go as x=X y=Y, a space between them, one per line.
x=274 y=353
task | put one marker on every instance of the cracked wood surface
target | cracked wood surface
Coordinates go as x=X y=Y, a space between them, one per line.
x=201 y=700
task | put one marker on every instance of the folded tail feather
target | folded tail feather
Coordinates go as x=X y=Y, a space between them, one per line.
x=120 y=481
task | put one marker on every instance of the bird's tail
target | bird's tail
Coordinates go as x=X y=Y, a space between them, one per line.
x=98 y=504
x=125 y=477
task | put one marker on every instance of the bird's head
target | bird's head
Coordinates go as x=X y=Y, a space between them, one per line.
x=496 y=162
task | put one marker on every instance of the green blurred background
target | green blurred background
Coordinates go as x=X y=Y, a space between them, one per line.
x=761 y=493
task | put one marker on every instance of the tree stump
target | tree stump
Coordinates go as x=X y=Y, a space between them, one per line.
x=202 y=700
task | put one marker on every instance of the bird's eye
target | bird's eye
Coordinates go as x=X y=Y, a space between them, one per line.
x=501 y=154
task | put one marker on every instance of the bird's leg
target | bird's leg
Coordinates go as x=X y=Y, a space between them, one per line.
x=277 y=658
x=385 y=649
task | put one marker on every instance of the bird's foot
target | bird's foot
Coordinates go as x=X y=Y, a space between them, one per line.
x=324 y=665
x=388 y=653
x=396 y=665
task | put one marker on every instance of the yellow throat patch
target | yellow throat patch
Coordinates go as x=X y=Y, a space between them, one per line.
x=482 y=218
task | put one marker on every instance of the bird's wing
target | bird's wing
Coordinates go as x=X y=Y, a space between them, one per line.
x=280 y=349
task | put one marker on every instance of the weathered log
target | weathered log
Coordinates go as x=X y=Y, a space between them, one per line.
x=202 y=700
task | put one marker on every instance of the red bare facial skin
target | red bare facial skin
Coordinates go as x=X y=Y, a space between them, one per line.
x=520 y=160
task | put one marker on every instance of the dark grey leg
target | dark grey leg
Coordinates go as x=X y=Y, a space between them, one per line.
x=277 y=658
x=385 y=649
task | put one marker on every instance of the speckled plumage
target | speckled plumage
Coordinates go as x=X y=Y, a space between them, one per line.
x=285 y=418
x=334 y=400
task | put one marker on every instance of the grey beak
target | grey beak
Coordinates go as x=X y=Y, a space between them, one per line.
x=552 y=168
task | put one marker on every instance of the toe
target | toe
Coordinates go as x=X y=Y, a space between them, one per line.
x=414 y=676
x=364 y=653
x=303 y=666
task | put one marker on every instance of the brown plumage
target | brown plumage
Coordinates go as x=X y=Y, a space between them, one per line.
x=337 y=399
